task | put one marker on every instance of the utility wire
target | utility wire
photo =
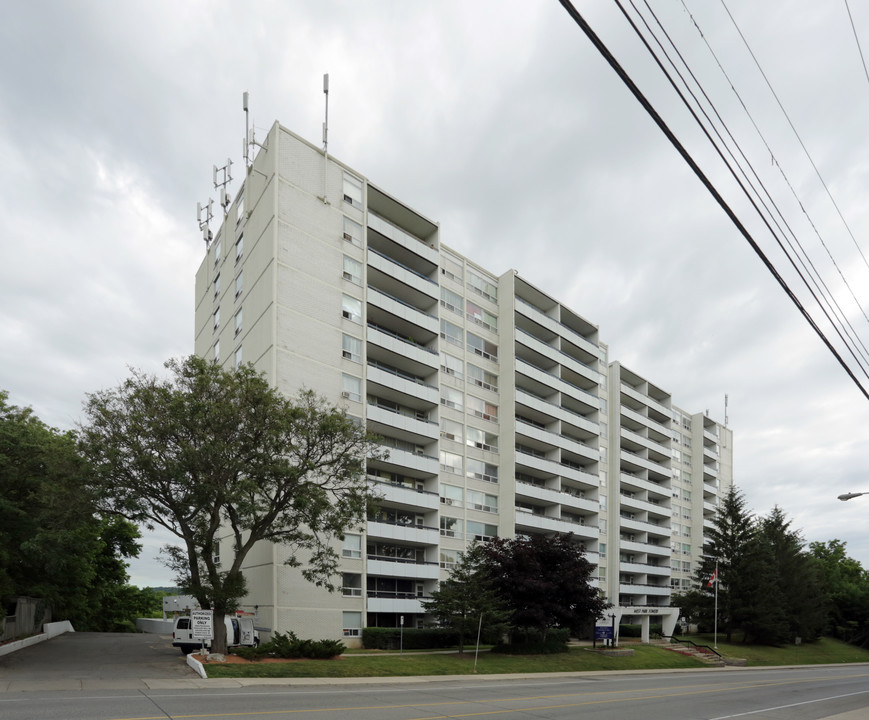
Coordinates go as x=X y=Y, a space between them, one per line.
x=822 y=288
x=815 y=167
x=637 y=93
x=857 y=39
x=778 y=165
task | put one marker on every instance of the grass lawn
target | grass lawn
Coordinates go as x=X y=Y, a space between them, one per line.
x=825 y=650
x=393 y=665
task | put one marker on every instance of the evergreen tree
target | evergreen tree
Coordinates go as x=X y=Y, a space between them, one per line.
x=848 y=585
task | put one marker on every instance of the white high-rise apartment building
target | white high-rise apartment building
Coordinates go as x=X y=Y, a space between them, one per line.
x=498 y=404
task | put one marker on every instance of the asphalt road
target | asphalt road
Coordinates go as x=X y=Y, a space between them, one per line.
x=86 y=676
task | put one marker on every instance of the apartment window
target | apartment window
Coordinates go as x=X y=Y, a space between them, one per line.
x=482 y=439
x=686 y=530
x=451 y=430
x=351 y=585
x=238 y=321
x=352 y=190
x=450 y=462
x=240 y=207
x=451 y=527
x=602 y=547
x=351 y=388
x=448 y=558
x=603 y=472
x=686 y=549
x=452 y=398
x=674 y=583
x=217 y=250
x=676 y=528
x=686 y=477
x=482 y=286
x=352 y=270
x=239 y=247
x=483 y=378
x=482 y=501
x=601 y=525
x=239 y=283
x=217 y=285
x=484 y=348
x=352 y=622
x=352 y=232
x=686 y=494
x=451 y=333
x=481 y=470
x=452 y=366
x=601 y=574
x=481 y=317
x=238 y=357
x=603 y=405
x=677 y=454
x=352 y=546
x=452 y=268
x=217 y=351
x=481 y=531
x=452 y=495
x=451 y=300
x=351 y=348
x=675 y=565
x=351 y=309
x=481 y=408
x=604 y=430
x=686 y=566
x=217 y=317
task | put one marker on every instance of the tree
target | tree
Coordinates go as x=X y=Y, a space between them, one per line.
x=693 y=606
x=53 y=544
x=468 y=600
x=726 y=550
x=848 y=585
x=209 y=451
x=545 y=582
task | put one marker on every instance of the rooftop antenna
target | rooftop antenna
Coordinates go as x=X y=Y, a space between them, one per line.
x=725 y=409
x=325 y=138
x=221 y=178
x=245 y=148
x=204 y=221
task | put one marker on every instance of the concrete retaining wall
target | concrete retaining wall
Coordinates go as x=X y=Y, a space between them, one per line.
x=158 y=626
x=50 y=630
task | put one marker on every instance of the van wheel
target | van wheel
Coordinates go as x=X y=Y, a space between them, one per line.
x=187 y=649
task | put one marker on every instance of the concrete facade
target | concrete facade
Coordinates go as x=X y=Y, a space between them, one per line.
x=498 y=404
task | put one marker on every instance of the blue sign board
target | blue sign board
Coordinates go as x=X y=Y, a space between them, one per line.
x=603 y=632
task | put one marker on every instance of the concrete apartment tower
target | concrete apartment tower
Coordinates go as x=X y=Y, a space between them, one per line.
x=499 y=407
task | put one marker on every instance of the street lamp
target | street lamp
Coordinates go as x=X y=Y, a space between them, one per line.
x=848 y=496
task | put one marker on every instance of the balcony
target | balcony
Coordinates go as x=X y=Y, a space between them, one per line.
x=402 y=496
x=556 y=355
x=638 y=461
x=401 y=382
x=393 y=567
x=402 y=310
x=531 y=521
x=403 y=426
x=405 y=239
x=551 y=380
x=554 y=411
x=422 y=463
x=405 y=533
x=641 y=526
x=644 y=399
x=556 y=497
x=403 y=606
x=402 y=274
x=422 y=359
x=532 y=313
x=633 y=503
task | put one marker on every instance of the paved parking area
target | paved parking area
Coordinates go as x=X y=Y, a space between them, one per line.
x=78 y=661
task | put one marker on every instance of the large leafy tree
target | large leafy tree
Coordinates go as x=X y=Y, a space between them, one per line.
x=53 y=543
x=468 y=600
x=208 y=452
x=848 y=585
x=545 y=582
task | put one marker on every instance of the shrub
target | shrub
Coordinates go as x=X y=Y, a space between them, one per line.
x=376 y=638
x=289 y=646
x=630 y=631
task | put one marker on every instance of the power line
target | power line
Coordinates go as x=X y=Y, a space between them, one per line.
x=637 y=93
x=857 y=39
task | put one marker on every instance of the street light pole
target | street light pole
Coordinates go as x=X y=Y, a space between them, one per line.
x=850 y=496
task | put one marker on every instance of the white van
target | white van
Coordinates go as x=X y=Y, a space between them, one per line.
x=239 y=632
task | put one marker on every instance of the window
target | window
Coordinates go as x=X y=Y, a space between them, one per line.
x=676 y=528
x=675 y=565
x=452 y=366
x=686 y=530
x=604 y=431
x=452 y=495
x=603 y=551
x=482 y=286
x=239 y=247
x=351 y=309
x=482 y=501
x=481 y=531
x=217 y=317
x=686 y=566
x=686 y=494
x=351 y=348
x=451 y=527
x=351 y=585
x=352 y=190
x=238 y=357
x=352 y=232
x=238 y=321
x=352 y=270
x=352 y=546
x=482 y=470
x=483 y=378
x=352 y=622
x=239 y=283
x=601 y=573
x=351 y=388
x=481 y=317
x=217 y=351
x=451 y=430
x=686 y=549
x=217 y=249
x=451 y=333
x=484 y=348
x=240 y=208
x=451 y=300
x=217 y=285
x=450 y=462
x=482 y=439
x=481 y=408
x=452 y=398
x=448 y=558
x=452 y=269
x=601 y=525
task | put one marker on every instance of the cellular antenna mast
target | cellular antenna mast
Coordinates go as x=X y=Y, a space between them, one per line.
x=325 y=139
x=725 y=410
x=221 y=178
x=246 y=144
x=204 y=221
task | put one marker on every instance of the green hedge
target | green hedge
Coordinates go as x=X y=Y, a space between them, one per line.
x=289 y=646
x=377 y=638
x=635 y=631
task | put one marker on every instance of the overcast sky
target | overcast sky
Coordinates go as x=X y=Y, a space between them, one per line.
x=496 y=118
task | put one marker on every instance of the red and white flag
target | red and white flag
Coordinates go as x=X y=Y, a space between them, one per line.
x=713 y=579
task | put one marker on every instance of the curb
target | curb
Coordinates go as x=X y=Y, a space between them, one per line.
x=197 y=666
x=50 y=630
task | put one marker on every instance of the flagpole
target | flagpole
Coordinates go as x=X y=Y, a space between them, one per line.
x=715 y=643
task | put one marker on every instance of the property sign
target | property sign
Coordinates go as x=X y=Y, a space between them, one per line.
x=202 y=624
x=603 y=632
